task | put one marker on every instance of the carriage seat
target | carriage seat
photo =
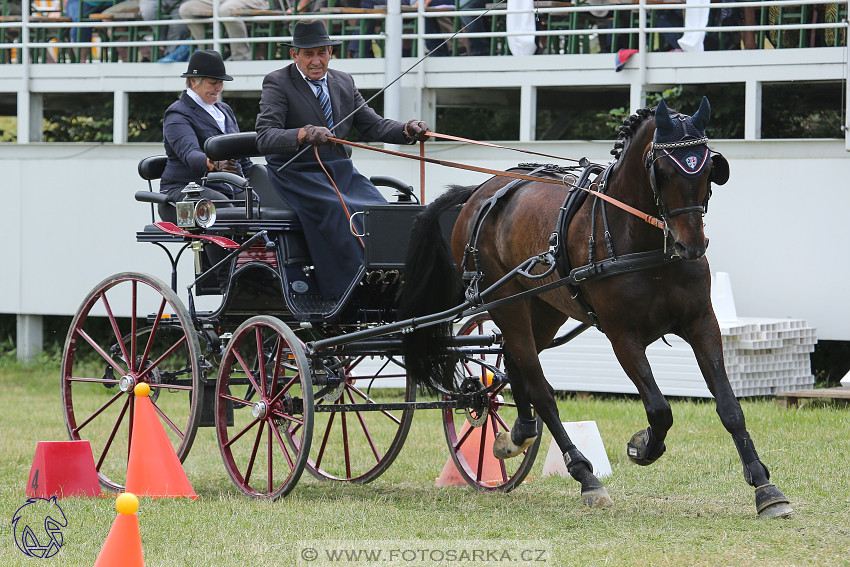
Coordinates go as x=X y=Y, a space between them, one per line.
x=272 y=206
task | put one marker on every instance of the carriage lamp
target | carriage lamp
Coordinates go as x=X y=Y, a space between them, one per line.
x=205 y=213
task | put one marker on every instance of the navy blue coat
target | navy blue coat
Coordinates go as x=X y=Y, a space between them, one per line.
x=289 y=103
x=184 y=130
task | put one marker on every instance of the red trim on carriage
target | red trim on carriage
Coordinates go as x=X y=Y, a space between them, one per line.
x=172 y=228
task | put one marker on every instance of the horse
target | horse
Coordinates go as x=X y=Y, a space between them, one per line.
x=636 y=283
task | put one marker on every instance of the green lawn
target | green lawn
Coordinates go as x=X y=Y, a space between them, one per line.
x=690 y=508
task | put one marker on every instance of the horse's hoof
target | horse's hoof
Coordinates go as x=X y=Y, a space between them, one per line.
x=771 y=503
x=596 y=498
x=504 y=448
x=642 y=450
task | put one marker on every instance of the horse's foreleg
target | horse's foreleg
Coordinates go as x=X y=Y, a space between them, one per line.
x=770 y=502
x=647 y=445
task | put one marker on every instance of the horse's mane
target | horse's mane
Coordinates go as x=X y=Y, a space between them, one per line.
x=628 y=129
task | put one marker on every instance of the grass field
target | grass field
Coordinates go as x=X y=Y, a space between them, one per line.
x=690 y=508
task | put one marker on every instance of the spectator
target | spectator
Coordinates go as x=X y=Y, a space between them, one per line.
x=78 y=10
x=303 y=104
x=695 y=16
x=475 y=24
x=437 y=46
x=190 y=9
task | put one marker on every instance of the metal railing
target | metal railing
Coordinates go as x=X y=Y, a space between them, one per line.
x=561 y=29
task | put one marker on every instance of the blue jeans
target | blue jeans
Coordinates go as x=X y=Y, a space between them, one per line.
x=72 y=10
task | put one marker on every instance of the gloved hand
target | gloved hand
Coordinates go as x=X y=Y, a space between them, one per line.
x=228 y=166
x=415 y=130
x=315 y=135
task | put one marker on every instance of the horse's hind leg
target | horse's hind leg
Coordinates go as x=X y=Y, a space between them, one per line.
x=524 y=367
x=647 y=445
x=770 y=502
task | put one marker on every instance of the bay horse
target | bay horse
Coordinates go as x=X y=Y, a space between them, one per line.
x=637 y=284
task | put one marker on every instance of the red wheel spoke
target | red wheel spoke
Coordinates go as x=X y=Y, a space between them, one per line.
x=98 y=412
x=270 y=459
x=325 y=440
x=133 y=312
x=283 y=390
x=282 y=445
x=108 y=443
x=261 y=360
x=275 y=373
x=162 y=357
x=344 y=423
x=92 y=380
x=247 y=372
x=463 y=439
x=498 y=417
x=235 y=399
x=245 y=430
x=115 y=330
x=154 y=385
x=100 y=351
x=168 y=421
x=482 y=446
x=365 y=431
x=501 y=461
x=253 y=457
x=152 y=334
x=371 y=401
x=287 y=416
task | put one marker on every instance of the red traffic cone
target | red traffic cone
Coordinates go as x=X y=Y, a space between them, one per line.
x=123 y=545
x=63 y=468
x=491 y=472
x=154 y=469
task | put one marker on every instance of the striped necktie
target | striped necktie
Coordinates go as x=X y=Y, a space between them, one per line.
x=324 y=102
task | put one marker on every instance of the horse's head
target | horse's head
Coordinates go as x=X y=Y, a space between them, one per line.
x=681 y=169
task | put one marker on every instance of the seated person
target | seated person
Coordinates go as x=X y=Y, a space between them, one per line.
x=203 y=9
x=302 y=104
x=197 y=115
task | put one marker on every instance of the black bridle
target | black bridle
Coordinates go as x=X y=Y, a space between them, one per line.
x=651 y=157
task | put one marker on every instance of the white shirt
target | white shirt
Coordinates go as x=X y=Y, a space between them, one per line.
x=312 y=86
x=212 y=109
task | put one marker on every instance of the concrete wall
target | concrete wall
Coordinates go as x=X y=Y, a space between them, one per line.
x=70 y=220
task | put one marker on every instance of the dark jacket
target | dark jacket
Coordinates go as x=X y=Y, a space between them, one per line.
x=289 y=103
x=185 y=129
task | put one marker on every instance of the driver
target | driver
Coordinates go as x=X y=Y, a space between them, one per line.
x=302 y=104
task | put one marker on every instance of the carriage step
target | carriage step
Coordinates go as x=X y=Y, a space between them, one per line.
x=791 y=399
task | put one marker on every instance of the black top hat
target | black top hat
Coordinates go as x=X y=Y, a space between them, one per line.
x=207 y=63
x=307 y=35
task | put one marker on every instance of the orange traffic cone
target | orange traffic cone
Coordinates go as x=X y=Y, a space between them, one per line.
x=154 y=469
x=491 y=472
x=123 y=545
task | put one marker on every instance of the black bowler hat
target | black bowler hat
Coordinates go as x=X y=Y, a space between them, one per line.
x=307 y=35
x=207 y=63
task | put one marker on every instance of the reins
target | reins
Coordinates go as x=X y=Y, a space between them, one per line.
x=619 y=204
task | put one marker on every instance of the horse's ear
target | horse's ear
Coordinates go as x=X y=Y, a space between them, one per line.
x=663 y=122
x=719 y=169
x=701 y=117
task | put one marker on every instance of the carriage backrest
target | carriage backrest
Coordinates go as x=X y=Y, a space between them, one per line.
x=151 y=168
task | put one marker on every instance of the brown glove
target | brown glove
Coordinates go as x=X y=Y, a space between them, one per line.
x=315 y=135
x=416 y=131
x=228 y=166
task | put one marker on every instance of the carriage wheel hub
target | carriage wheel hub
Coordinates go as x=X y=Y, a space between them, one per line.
x=260 y=410
x=127 y=383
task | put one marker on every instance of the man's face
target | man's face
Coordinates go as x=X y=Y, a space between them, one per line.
x=208 y=89
x=312 y=62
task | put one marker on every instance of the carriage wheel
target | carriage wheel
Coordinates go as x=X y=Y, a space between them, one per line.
x=470 y=431
x=358 y=446
x=104 y=358
x=264 y=396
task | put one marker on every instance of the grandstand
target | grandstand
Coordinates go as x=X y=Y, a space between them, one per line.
x=71 y=217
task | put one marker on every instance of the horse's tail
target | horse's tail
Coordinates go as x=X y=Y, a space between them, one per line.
x=432 y=284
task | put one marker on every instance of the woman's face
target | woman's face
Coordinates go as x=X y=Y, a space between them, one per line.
x=208 y=89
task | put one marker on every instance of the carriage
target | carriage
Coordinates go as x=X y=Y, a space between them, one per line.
x=292 y=381
x=288 y=379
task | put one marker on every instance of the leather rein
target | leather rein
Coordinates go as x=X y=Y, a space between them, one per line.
x=658 y=223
